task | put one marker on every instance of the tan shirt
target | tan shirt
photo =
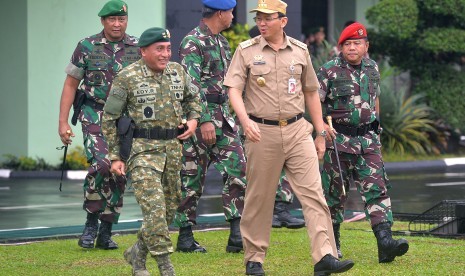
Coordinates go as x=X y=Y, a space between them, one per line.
x=255 y=59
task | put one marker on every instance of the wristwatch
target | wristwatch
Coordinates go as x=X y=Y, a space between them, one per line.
x=321 y=133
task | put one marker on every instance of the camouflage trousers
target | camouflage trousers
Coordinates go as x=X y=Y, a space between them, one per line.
x=103 y=191
x=284 y=192
x=367 y=172
x=158 y=195
x=227 y=156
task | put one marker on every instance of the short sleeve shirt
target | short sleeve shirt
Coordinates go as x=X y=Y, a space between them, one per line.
x=267 y=75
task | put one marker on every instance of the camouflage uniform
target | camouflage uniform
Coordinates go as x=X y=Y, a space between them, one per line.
x=96 y=61
x=349 y=96
x=284 y=192
x=152 y=100
x=206 y=58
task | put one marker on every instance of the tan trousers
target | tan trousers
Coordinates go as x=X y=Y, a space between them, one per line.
x=290 y=147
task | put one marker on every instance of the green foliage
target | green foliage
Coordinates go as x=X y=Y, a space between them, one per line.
x=433 y=40
x=24 y=163
x=405 y=120
x=398 y=18
x=236 y=34
x=426 y=38
x=76 y=159
x=445 y=91
x=453 y=8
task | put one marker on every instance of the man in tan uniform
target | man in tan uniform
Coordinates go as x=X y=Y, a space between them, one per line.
x=279 y=81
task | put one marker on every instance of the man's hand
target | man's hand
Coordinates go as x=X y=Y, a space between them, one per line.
x=251 y=131
x=320 y=146
x=65 y=133
x=208 y=133
x=189 y=127
x=330 y=133
x=118 y=167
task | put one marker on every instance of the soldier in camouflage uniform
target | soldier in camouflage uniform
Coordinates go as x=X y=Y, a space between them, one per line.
x=95 y=61
x=206 y=55
x=349 y=90
x=157 y=95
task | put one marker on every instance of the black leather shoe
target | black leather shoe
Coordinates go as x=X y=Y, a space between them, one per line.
x=254 y=268
x=329 y=264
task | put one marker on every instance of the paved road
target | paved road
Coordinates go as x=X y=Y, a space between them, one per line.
x=37 y=203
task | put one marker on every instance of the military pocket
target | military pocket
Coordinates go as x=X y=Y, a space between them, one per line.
x=343 y=95
x=95 y=76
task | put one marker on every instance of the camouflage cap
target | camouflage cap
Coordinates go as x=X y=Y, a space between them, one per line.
x=114 y=7
x=270 y=6
x=153 y=35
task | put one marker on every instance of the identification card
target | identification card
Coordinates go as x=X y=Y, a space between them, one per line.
x=292 y=86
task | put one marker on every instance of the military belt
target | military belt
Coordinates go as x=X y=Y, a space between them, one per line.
x=280 y=123
x=216 y=98
x=93 y=104
x=356 y=131
x=156 y=133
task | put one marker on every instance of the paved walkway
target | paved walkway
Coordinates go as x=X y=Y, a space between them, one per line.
x=26 y=197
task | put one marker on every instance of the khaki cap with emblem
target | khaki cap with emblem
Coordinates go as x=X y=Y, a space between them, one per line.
x=270 y=6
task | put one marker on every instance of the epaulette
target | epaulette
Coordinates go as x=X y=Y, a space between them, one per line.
x=249 y=42
x=298 y=43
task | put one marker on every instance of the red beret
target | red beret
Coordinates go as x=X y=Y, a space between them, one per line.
x=353 y=31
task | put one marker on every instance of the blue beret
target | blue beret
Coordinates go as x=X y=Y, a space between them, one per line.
x=153 y=35
x=223 y=5
x=114 y=7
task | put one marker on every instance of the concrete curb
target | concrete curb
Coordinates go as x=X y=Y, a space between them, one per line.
x=442 y=165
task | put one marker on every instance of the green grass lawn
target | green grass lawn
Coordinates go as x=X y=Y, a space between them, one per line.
x=288 y=254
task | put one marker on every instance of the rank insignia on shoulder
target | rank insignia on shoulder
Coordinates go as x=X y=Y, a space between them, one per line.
x=248 y=43
x=298 y=43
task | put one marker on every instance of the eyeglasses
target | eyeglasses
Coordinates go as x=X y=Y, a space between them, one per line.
x=266 y=19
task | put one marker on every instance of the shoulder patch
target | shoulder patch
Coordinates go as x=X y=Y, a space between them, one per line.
x=298 y=43
x=248 y=43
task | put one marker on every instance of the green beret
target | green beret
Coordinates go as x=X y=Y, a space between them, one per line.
x=114 y=7
x=153 y=35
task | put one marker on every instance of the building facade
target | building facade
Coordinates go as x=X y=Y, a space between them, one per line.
x=40 y=36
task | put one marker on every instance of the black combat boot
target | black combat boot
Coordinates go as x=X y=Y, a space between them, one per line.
x=282 y=217
x=329 y=264
x=104 y=240
x=254 y=268
x=388 y=248
x=337 y=238
x=235 y=237
x=90 y=231
x=186 y=242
